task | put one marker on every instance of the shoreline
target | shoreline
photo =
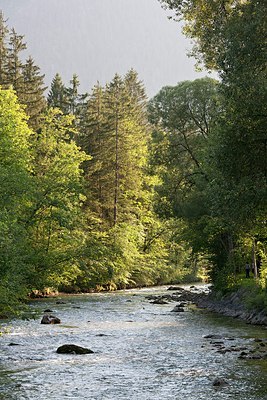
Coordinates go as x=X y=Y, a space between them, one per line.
x=231 y=305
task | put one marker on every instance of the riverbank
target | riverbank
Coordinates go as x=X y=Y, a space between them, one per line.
x=236 y=304
x=242 y=303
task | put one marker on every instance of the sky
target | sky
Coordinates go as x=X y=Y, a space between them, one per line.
x=97 y=38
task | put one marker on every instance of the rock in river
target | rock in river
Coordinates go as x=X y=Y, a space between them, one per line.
x=73 y=349
x=50 y=319
x=178 y=308
x=219 y=382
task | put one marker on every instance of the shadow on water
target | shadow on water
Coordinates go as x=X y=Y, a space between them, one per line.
x=141 y=351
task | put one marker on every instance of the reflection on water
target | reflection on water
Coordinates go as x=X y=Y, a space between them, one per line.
x=141 y=351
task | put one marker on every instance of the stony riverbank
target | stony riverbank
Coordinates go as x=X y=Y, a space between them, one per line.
x=233 y=304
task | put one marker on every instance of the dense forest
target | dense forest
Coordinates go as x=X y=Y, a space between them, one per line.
x=109 y=189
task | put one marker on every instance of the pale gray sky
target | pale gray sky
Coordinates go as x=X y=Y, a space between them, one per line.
x=97 y=38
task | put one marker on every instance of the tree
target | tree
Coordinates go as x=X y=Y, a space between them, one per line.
x=239 y=146
x=4 y=31
x=54 y=216
x=204 y=23
x=15 y=65
x=183 y=116
x=230 y=37
x=33 y=92
x=15 y=184
x=57 y=96
x=115 y=134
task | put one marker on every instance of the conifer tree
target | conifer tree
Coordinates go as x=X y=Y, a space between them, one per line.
x=15 y=65
x=33 y=92
x=4 y=31
x=57 y=96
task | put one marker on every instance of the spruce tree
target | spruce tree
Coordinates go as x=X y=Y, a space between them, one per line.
x=4 y=32
x=33 y=92
x=57 y=96
x=15 y=65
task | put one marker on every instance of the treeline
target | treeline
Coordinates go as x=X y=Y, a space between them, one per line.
x=109 y=190
x=214 y=168
x=76 y=185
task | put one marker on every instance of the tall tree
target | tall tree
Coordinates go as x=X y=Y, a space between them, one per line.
x=54 y=216
x=184 y=115
x=4 y=32
x=33 y=92
x=57 y=96
x=15 y=64
x=235 y=46
x=15 y=186
x=204 y=23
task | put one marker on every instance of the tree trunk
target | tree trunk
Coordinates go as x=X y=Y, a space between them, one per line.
x=254 y=262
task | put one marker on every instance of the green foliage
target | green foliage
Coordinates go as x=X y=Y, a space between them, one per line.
x=204 y=22
x=55 y=212
x=24 y=78
x=15 y=159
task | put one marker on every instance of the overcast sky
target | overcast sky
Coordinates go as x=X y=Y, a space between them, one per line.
x=97 y=38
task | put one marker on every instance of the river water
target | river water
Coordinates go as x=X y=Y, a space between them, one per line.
x=142 y=351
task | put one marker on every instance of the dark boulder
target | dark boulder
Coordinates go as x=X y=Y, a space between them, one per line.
x=219 y=382
x=159 y=301
x=73 y=349
x=175 y=288
x=177 y=308
x=50 y=319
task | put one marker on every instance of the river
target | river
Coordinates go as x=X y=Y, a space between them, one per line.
x=142 y=351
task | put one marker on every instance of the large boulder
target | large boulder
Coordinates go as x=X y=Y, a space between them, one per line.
x=73 y=349
x=50 y=319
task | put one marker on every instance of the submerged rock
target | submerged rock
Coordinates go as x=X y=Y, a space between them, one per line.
x=50 y=319
x=219 y=382
x=159 y=301
x=212 y=336
x=73 y=349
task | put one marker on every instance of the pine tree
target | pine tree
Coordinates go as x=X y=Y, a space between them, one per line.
x=92 y=138
x=115 y=135
x=15 y=65
x=57 y=96
x=4 y=31
x=33 y=92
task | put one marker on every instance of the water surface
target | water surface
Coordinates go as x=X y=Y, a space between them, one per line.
x=142 y=351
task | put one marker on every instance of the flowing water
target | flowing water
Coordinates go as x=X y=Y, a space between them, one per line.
x=142 y=351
